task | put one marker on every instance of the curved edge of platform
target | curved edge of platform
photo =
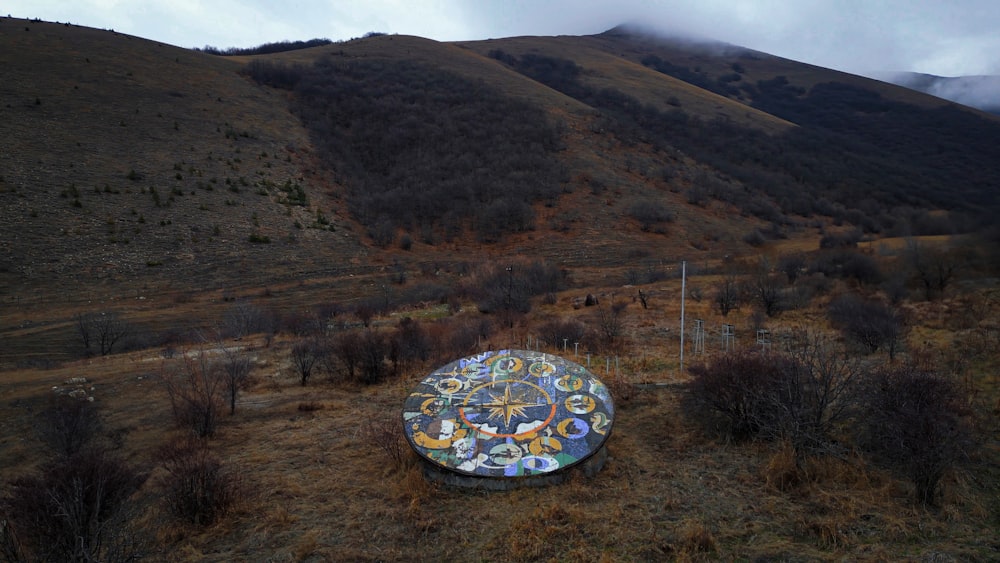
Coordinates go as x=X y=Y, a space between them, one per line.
x=589 y=467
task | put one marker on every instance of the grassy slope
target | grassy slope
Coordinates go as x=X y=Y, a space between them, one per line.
x=214 y=146
x=321 y=490
x=604 y=69
x=109 y=104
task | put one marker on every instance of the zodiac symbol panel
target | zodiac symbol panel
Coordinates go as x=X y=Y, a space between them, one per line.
x=508 y=413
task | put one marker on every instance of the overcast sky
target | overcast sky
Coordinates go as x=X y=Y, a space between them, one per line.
x=948 y=38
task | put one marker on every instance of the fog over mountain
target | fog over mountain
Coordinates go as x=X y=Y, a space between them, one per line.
x=943 y=38
x=981 y=92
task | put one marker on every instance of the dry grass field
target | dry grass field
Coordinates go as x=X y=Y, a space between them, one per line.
x=319 y=488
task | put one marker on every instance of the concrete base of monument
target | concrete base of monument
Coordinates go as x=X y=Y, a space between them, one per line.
x=588 y=468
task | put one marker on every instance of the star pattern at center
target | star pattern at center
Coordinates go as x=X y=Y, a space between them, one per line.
x=505 y=406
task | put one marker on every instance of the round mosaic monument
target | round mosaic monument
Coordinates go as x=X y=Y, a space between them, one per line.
x=509 y=414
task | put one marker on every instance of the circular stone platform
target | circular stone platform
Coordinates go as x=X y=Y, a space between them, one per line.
x=516 y=416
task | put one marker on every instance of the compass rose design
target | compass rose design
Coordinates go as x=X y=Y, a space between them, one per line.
x=508 y=413
x=520 y=406
x=506 y=406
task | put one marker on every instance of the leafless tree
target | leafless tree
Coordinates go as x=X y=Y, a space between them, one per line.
x=934 y=268
x=792 y=265
x=766 y=289
x=363 y=355
x=611 y=321
x=195 y=386
x=306 y=356
x=236 y=367
x=105 y=329
x=373 y=353
x=244 y=318
x=365 y=312
x=346 y=349
x=727 y=294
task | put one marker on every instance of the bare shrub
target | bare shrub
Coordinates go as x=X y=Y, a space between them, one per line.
x=650 y=213
x=509 y=288
x=69 y=424
x=373 y=353
x=77 y=508
x=792 y=265
x=847 y=239
x=610 y=322
x=244 y=318
x=694 y=537
x=733 y=387
x=558 y=331
x=310 y=406
x=347 y=349
x=766 y=289
x=303 y=323
x=797 y=397
x=104 y=329
x=10 y=545
x=365 y=312
x=869 y=323
x=848 y=264
x=917 y=422
x=197 y=488
x=386 y=434
x=408 y=344
x=817 y=390
x=195 y=386
x=460 y=337
x=363 y=354
x=934 y=268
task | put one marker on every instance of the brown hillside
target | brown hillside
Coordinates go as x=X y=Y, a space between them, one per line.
x=139 y=172
x=605 y=68
x=716 y=59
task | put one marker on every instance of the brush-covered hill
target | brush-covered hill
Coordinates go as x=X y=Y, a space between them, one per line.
x=141 y=175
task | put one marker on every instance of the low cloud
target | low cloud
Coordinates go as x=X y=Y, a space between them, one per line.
x=944 y=38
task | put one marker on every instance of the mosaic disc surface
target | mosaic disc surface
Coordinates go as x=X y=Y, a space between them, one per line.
x=508 y=413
